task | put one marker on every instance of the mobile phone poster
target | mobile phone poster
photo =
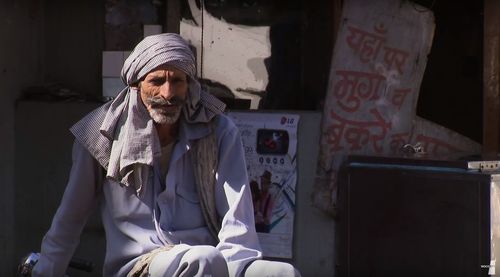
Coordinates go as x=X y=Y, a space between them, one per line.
x=270 y=145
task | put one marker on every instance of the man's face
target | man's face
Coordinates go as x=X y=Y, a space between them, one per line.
x=163 y=92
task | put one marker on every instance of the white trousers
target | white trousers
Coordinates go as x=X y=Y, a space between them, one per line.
x=203 y=261
x=262 y=268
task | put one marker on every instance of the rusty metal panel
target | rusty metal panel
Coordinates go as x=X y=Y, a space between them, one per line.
x=377 y=66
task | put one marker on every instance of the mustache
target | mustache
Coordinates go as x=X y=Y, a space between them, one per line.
x=160 y=101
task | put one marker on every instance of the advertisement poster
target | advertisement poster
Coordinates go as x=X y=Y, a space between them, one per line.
x=270 y=144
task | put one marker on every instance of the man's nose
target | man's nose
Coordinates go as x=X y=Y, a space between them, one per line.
x=166 y=90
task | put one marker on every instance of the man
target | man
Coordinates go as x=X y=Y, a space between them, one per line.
x=166 y=168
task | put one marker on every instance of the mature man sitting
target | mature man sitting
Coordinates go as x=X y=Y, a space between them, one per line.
x=167 y=169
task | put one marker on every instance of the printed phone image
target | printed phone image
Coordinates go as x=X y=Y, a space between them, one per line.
x=272 y=142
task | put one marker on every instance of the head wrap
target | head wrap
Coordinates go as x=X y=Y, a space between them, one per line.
x=126 y=141
x=171 y=49
x=155 y=51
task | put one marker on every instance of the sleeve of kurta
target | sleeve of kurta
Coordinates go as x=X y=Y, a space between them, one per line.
x=78 y=202
x=238 y=240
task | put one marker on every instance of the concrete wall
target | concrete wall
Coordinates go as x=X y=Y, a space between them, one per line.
x=42 y=41
x=314 y=234
x=38 y=193
x=20 y=64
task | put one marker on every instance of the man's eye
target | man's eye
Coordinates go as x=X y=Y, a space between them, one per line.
x=178 y=80
x=157 y=81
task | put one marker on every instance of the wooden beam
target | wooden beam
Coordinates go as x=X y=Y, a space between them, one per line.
x=491 y=77
x=172 y=16
x=337 y=16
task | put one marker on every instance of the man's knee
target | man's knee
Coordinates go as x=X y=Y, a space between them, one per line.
x=198 y=260
x=203 y=260
x=204 y=253
x=271 y=268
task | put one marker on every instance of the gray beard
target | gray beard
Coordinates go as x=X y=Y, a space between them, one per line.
x=159 y=115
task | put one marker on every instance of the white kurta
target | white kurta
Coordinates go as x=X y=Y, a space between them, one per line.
x=129 y=220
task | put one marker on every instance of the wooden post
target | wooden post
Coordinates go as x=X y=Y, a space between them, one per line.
x=172 y=16
x=491 y=76
x=337 y=16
